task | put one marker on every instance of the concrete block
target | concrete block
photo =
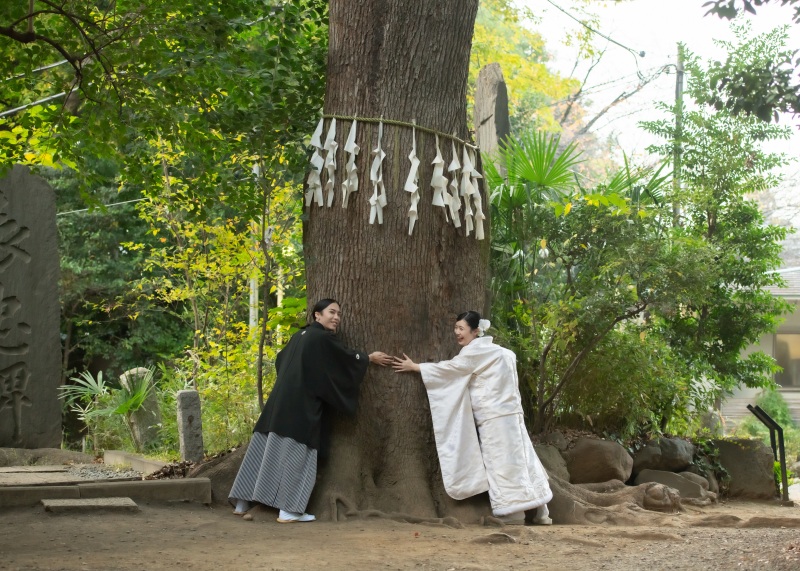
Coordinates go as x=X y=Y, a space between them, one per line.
x=135 y=461
x=90 y=505
x=15 y=496
x=190 y=489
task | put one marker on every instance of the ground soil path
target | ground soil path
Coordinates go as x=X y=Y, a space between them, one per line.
x=192 y=536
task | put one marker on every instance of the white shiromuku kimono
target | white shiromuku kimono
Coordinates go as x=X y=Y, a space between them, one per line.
x=479 y=387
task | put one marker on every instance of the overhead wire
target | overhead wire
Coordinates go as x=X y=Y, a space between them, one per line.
x=102 y=206
x=636 y=55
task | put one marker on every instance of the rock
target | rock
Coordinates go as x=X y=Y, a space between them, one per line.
x=668 y=454
x=592 y=460
x=696 y=478
x=552 y=460
x=707 y=475
x=684 y=486
x=556 y=439
x=713 y=484
x=750 y=465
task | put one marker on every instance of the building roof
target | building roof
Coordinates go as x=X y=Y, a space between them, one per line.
x=792 y=289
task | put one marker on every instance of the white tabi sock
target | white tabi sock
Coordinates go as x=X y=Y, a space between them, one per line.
x=241 y=506
x=542 y=516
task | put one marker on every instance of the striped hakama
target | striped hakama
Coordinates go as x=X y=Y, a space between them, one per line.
x=276 y=471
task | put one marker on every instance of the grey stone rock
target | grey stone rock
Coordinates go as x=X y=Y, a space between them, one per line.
x=707 y=475
x=556 y=439
x=686 y=488
x=30 y=346
x=592 y=460
x=750 y=465
x=146 y=420
x=696 y=478
x=552 y=460
x=190 y=426
x=668 y=454
x=713 y=484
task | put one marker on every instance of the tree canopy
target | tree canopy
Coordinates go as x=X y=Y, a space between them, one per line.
x=765 y=90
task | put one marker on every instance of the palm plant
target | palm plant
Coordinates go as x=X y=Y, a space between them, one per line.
x=87 y=394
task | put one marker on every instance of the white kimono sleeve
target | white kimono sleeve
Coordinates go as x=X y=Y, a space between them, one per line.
x=457 y=444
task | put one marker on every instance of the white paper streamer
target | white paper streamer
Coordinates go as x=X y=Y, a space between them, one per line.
x=476 y=198
x=330 y=160
x=411 y=183
x=466 y=189
x=350 y=184
x=453 y=201
x=378 y=199
x=314 y=189
x=438 y=180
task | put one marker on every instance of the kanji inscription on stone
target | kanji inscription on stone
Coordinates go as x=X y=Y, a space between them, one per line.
x=30 y=346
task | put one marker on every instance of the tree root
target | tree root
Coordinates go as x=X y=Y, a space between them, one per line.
x=342 y=509
x=611 y=502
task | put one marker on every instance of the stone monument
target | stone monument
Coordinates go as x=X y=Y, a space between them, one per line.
x=492 y=125
x=145 y=420
x=30 y=346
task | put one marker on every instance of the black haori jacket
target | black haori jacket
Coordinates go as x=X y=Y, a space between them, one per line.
x=314 y=371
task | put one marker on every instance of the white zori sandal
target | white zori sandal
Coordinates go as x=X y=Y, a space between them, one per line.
x=294 y=517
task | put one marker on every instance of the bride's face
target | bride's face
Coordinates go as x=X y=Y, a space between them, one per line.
x=464 y=334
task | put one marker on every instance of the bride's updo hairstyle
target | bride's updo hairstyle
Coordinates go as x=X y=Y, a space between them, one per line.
x=472 y=318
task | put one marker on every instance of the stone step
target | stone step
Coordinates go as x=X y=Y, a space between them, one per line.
x=89 y=505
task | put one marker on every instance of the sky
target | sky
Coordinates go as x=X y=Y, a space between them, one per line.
x=654 y=27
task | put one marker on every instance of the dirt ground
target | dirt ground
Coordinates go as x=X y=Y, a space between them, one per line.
x=196 y=537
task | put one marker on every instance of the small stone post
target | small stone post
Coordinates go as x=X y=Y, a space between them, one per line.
x=190 y=425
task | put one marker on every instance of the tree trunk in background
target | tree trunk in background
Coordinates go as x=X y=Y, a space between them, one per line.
x=401 y=60
x=492 y=123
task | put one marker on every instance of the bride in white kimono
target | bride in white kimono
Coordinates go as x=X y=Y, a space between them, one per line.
x=479 y=387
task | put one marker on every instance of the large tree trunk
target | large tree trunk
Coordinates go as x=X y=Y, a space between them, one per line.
x=400 y=60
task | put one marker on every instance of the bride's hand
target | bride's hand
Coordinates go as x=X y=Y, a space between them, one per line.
x=405 y=365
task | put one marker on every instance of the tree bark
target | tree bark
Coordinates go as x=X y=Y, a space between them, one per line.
x=408 y=61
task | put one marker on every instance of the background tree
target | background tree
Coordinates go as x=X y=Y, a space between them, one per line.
x=723 y=161
x=765 y=90
x=202 y=110
x=96 y=272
